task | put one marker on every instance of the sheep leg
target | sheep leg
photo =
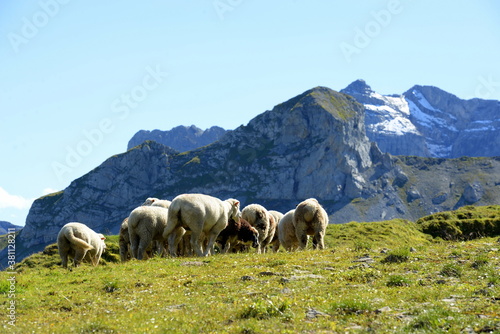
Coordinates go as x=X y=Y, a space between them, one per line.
x=212 y=236
x=301 y=235
x=195 y=243
x=172 y=247
x=134 y=244
x=63 y=253
x=79 y=255
x=318 y=242
x=143 y=245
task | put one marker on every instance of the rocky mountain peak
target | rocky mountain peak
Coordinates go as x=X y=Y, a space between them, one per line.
x=358 y=87
x=181 y=138
x=429 y=122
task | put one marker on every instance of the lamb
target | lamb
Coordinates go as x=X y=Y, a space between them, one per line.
x=275 y=242
x=310 y=219
x=259 y=218
x=286 y=232
x=238 y=233
x=199 y=213
x=80 y=242
x=153 y=201
x=145 y=225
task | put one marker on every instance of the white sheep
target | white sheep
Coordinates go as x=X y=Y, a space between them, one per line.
x=310 y=219
x=286 y=232
x=263 y=222
x=153 y=201
x=201 y=214
x=80 y=242
x=145 y=225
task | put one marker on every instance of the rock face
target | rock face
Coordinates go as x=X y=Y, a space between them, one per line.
x=313 y=145
x=429 y=122
x=180 y=138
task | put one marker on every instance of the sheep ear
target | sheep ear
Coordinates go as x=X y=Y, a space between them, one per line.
x=236 y=203
x=103 y=238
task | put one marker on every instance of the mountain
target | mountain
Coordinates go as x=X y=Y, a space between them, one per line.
x=5 y=226
x=429 y=122
x=180 y=138
x=313 y=145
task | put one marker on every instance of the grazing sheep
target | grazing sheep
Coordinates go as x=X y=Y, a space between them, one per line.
x=259 y=218
x=200 y=214
x=310 y=219
x=145 y=225
x=153 y=201
x=124 y=241
x=275 y=242
x=80 y=242
x=238 y=232
x=286 y=232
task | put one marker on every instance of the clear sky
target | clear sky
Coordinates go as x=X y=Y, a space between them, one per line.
x=79 y=78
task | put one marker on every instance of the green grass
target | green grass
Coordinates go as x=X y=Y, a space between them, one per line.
x=445 y=286
x=466 y=223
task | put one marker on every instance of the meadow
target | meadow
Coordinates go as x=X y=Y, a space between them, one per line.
x=383 y=277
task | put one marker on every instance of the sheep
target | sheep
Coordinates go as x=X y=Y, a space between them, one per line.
x=124 y=241
x=199 y=213
x=153 y=201
x=286 y=232
x=145 y=225
x=275 y=242
x=259 y=218
x=236 y=233
x=310 y=219
x=80 y=242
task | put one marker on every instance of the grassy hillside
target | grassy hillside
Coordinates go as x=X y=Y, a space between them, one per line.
x=367 y=280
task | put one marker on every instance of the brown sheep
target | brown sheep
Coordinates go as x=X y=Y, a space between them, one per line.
x=310 y=219
x=237 y=233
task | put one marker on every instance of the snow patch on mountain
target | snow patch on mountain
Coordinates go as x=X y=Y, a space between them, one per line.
x=392 y=114
x=439 y=151
x=427 y=120
x=423 y=101
x=486 y=128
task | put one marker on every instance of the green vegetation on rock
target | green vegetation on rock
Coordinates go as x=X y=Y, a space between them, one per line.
x=466 y=223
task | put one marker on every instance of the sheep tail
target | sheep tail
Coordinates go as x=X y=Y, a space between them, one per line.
x=77 y=241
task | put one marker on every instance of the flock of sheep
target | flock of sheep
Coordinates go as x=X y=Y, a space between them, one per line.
x=192 y=224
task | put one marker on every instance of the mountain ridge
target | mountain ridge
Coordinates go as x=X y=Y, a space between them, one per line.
x=181 y=138
x=429 y=122
x=313 y=145
x=5 y=226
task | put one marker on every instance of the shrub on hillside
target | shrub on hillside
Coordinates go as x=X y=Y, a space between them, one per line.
x=397 y=256
x=463 y=224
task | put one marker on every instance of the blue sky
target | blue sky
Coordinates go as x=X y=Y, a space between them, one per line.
x=79 y=78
